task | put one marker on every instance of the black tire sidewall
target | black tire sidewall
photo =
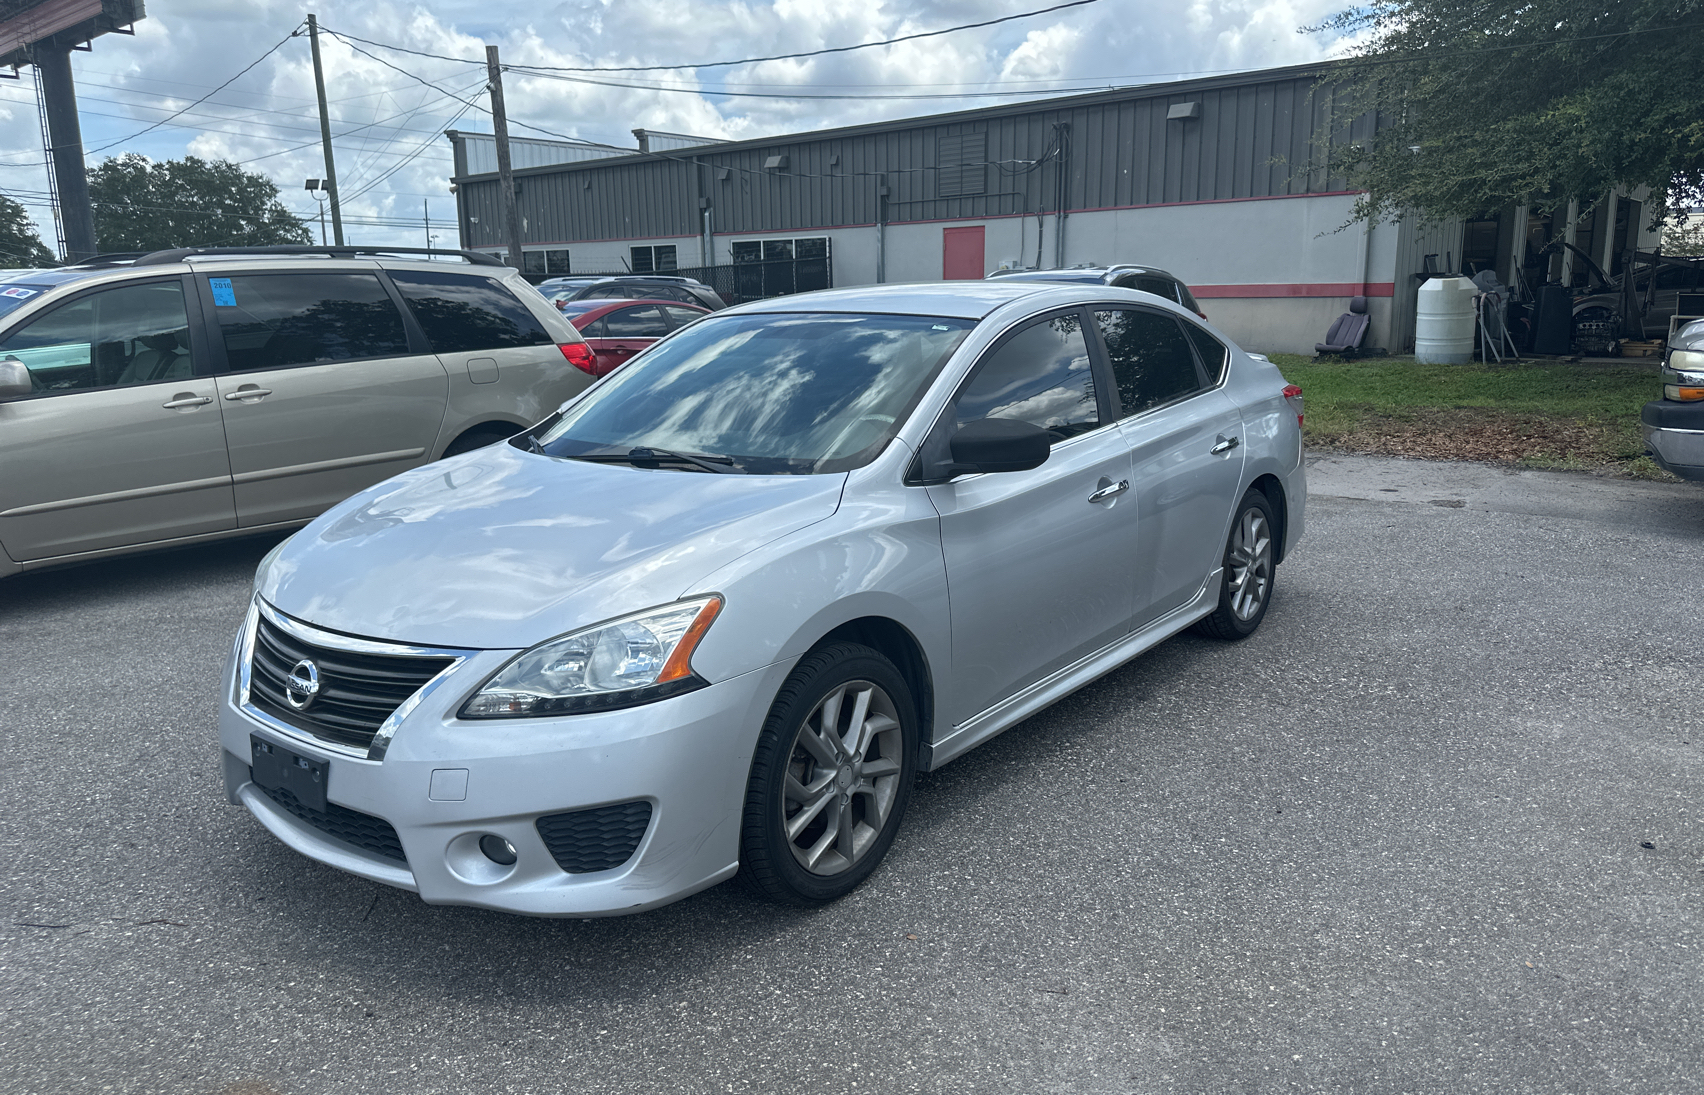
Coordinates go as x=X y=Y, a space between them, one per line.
x=766 y=860
x=1224 y=622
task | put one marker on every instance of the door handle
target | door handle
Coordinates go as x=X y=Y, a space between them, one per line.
x=247 y=393
x=1226 y=444
x=1111 y=490
x=187 y=400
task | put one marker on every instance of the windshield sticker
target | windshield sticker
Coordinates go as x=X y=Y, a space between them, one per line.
x=21 y=294
x=223 y=295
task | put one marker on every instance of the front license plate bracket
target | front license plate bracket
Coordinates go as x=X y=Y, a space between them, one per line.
x=277 y=768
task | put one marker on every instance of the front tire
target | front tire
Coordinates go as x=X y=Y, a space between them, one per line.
x=1250 y=566
x=831 y=777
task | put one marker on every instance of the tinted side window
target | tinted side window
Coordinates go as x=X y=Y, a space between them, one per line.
x=134 y=334
x=1160 y=287
x=682 y=316
x=1042 y=376
x=270 y=321
x=641 y=321
x=1151 y=359
x=462 y=312
x=1213 y=353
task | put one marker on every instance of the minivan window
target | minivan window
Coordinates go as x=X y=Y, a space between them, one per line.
x=1042 y=376
x=274 y=321
x=464 y=312
x=134 y=334
x=787 y=394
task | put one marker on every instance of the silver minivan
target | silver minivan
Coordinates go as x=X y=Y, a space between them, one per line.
x=192 y=395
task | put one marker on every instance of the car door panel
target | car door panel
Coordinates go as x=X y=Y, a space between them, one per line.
x=1038 y=576
x=322 y=432
x=1038 y=571
x=1184 y=493
x=125 y=445
x=321 y=394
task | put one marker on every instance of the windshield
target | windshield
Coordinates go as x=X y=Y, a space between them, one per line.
x=788 y=394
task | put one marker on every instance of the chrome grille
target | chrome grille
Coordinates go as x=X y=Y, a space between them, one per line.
x=358 y=690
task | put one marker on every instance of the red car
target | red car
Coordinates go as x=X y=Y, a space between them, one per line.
x=618 y=329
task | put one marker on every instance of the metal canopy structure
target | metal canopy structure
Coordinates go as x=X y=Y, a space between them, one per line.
x=43 y=33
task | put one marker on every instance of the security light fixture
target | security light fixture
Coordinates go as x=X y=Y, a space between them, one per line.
x=1183 y=110
x=775 y=163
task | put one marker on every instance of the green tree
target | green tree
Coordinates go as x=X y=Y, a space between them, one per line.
x=20 y=243
x=141 y=205
x=1521 y=102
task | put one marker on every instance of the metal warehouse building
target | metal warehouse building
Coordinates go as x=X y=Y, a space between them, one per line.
x=1217 y=180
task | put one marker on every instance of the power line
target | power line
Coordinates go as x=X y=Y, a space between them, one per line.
x=753 y=60
x=203 y=99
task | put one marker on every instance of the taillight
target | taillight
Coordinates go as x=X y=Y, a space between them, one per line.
x=1293 y=392
x=580 y=356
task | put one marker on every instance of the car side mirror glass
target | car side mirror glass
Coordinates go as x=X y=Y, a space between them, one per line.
x=999 y=444
x=14 y=378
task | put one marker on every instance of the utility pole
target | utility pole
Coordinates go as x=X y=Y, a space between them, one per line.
x=325 y=132
x=65 y=136
x=505 y=169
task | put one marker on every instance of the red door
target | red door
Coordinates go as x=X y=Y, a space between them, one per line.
x=961 y=254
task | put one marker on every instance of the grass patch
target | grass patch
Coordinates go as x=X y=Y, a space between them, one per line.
x=1568 y=416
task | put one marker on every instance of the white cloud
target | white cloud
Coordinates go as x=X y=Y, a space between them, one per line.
x=391 y=152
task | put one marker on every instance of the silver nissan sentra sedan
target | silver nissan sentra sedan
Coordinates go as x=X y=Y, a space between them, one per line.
x=714 y=615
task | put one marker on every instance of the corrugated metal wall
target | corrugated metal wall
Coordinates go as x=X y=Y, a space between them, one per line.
x=1254 y=138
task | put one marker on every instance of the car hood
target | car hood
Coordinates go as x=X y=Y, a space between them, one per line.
x=502 y=549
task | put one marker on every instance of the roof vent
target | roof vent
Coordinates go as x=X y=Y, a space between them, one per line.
x=1183 y=110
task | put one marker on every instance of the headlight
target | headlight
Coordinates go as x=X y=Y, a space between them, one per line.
x=622 y=663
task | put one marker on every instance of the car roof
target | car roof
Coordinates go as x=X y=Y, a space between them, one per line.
x=47 y=278
x=1084 y=273
x=954 y=299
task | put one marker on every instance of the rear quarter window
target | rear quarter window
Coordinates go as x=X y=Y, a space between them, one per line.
x=465 y=312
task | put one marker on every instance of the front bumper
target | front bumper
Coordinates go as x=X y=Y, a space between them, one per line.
x=687 y=757
x=1674 y=436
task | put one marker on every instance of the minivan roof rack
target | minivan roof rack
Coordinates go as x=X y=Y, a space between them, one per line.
x=179 y=254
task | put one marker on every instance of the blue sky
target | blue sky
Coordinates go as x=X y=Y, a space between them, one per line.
x=391 y=155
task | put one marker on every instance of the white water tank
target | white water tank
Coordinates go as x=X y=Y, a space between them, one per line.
x=1443 y=322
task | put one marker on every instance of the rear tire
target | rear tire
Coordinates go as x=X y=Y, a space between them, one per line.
x=830 y=778
x=1250 y=567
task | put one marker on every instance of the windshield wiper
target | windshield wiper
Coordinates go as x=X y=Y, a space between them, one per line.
x=646 y=455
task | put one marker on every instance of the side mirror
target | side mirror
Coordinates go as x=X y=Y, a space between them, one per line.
x=14 y=379
x=999 y=444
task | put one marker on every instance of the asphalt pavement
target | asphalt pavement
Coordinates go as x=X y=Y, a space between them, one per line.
x=1437 y=827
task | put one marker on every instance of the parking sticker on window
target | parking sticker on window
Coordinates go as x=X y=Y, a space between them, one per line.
x=223 y=295
x=21 y=294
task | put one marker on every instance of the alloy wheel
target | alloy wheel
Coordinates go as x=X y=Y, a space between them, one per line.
x=842 y=779
x=1250 y=564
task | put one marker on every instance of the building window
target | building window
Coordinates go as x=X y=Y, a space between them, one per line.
x=961 y=165
x=544 y=262
x=780 y=267
x=650 y=260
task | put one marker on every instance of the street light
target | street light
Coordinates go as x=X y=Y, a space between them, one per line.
x=321 y=190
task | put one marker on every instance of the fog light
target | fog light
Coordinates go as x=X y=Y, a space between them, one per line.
x=497 y=850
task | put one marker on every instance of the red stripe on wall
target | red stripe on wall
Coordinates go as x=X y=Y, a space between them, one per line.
x=1319 y=289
